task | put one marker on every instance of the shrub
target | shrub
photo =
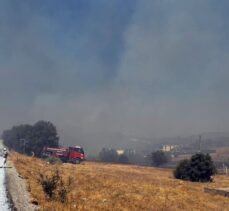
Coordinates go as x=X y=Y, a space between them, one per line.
x=62 y=192
x=123 y=159
x=54 y=186
x=108 y=155
x=53 y=160
x=49 y=184
x=159 y=158
x=64 y=189
x=200 y=168
x=182 y=170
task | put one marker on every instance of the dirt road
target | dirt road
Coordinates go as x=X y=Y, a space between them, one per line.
x=13 y=193
x=4 y=202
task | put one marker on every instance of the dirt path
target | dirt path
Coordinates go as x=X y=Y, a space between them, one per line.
x=4 y=202
x=16 y=185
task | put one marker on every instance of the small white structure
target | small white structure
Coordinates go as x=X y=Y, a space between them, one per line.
x=120 y=151
x=168 y=148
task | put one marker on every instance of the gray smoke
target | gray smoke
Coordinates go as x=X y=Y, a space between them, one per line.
x=104 y=71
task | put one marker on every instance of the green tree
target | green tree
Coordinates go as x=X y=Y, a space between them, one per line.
x=199 y=168
x=44 y=134
x=159 y=158
x=16 y=136
x=123 y=159
x=108 y=155
x=28 y=138
x=182 y=170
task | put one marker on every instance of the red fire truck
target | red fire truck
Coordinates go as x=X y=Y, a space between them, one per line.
x=71 y=154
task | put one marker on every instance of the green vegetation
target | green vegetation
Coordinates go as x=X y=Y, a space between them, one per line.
x=30 y=139
x=159 y=158
x=110 y=155
x=54 y=187
x=123 y=159
x=199 y=168
x=53 y=160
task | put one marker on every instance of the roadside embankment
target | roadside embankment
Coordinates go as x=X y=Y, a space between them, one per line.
x=102 y=186
x=17 y=190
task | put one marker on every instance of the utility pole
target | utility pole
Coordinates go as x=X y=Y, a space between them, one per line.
x=200 y=143
x=24 y=142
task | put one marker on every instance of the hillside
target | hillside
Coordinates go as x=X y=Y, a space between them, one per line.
x=99 y=186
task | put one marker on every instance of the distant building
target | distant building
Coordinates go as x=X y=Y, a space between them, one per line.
x=127 y=152
x=120 y=151
x=168 y=148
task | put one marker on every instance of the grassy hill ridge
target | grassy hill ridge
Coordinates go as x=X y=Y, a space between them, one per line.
x=99 y=186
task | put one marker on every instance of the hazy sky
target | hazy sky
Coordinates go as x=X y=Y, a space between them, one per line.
x=136 y=67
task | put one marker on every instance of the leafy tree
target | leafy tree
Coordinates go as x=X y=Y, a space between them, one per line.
x=159 y=158
x=123 y=159
x=45 y=134
x=28 y=138
x=16 y=136
x=182 y=170
x=199 y=168
x=108 y=155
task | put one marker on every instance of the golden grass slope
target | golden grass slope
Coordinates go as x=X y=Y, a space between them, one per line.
x=99 y=186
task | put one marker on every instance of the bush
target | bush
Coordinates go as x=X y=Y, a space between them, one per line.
x=182 y=170
x=108 y=155
x=53 y=160
x=123 y=159
x=159 y=158
x=49 y=184
x=200 y=168
x=54 y=186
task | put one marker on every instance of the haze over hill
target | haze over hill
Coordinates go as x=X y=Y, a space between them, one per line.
x=103 y=71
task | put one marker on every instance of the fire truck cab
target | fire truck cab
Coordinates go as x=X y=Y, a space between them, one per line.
x=76 y=154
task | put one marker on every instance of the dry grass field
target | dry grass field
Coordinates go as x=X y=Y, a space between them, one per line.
x=99 y=186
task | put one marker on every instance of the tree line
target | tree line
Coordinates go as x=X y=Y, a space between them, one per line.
x=156 y=158
x=199 y=168
x=110 y=155
x=30 y=139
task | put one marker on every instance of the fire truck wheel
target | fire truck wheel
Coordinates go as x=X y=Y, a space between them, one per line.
x=77 y=161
